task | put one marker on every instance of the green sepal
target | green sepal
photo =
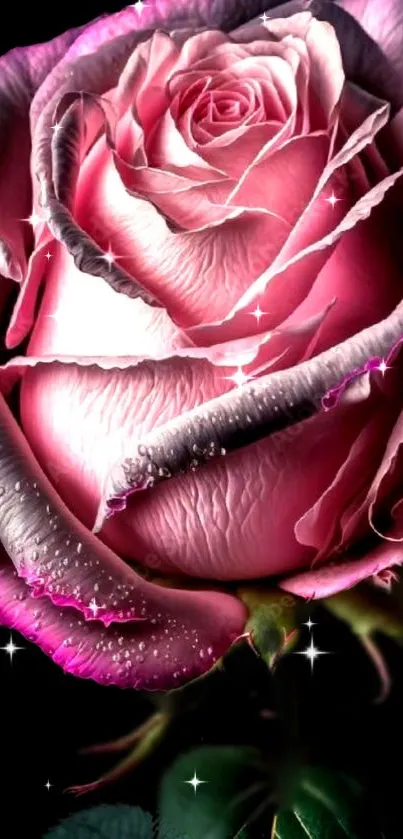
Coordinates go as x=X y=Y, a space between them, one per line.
x=273 y=622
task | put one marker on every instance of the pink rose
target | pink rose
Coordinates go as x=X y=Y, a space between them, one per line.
x=209 y=285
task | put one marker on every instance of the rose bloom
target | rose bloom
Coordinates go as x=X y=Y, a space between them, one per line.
x=201 y=282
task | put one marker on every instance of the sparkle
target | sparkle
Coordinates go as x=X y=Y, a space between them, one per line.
x=56 y=128
x=95 y=607
x=48 y=256
x=10 y=648
x=109 y=257
x=48 y=785
x=383 y=367
x=311 y=653
x=239 y=378
x=332 y=200
x=195 y=782
x=258 y=313
x=309 y=624
x=34 y=219
x=264 y=18
x=139 y=6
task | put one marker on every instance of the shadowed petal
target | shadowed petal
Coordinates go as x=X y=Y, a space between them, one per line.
x=289 y=278
x=250 y=413
x=177 y=645
x=383 y=21
x=368 y=36
x=22 y=71
x=348 y=572
x=58 y=557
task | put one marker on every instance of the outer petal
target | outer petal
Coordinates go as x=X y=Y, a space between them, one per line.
x=232 y=519
x=159 y=654
x=22 y=71
x=383 y=20
x=346 y=573
x=364 y=61
x=58 y=557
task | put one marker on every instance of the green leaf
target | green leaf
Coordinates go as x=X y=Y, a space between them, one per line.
x=325 y=805
x=273 y=621
x=106 y=822
x=235 y=787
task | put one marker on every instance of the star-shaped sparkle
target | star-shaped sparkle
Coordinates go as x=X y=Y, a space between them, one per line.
x=109 y=257
x=139 y=6
x=332 y=200
x=383 y=367
x=264 y=18
x=311 y=653
x=258 y=313
x=48 y=785
x=48 y=256
x=239 y=378
x=195 y=782
x=94 y=606
x=34 y=219
x=309 y=624
x=11 y=648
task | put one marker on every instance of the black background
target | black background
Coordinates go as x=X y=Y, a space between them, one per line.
x=47 y=716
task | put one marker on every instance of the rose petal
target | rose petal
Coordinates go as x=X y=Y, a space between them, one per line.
x=319 y=527
x=30 y=65
x=95 y=64
x=348 y=572
x=233 y=421
x=290 y=277
x=23 y=314
x=56 y=555
x=125 y=416
x=236 y=494
x=362 y=255
x=383 y=21
x=364 y=61
x=326 y=69
x=184 y=640
x=164 y=262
